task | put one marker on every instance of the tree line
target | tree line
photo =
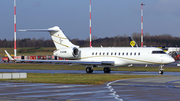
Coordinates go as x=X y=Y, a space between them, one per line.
x=116 y=41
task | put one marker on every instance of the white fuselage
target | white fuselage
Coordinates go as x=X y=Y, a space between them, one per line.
x=125 y=55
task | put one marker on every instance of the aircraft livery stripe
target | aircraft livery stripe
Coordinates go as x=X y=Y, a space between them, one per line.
x=60 y=43
x=55 y=51
x=122 y=58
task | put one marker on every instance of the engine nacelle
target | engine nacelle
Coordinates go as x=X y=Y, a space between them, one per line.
x=71 y=52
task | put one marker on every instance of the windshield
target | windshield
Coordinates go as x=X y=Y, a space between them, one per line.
x=158 y=52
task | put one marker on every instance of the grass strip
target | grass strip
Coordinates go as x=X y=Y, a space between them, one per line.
x=80 y=67
x=87 y=79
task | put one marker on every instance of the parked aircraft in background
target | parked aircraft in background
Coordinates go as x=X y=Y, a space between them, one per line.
x=132 y=42
x=105 y=57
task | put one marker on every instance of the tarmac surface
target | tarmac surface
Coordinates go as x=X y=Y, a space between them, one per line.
x=144 y=89
x=148 y=89
x=84 y=72
x=163 y=88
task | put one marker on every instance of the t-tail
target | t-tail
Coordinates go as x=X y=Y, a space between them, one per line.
x=58 y=37
x=64 y=48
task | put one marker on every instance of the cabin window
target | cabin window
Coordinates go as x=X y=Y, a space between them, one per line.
x=138 y=53
x=107 y=53
x=123 y=53
x=135 y=53
x=126 y=53
x=96 y=53
x=130 y=53
x=100 y=53
x=119 y=53
x=103 y=53
x=114 y=53
x=93 y=53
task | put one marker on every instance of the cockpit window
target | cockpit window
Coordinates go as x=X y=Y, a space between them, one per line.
x=158 y=52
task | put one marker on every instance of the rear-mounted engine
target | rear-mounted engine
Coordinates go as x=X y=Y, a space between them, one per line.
x=67 y=52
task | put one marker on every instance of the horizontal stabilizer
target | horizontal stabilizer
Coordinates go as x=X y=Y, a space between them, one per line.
x=38 y=30
x=54 y=29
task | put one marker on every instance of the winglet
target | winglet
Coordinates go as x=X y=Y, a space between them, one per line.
x=9 y=56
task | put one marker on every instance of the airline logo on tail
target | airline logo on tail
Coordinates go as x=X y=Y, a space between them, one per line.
x=132 y=43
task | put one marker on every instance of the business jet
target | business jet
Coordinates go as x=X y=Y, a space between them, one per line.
x=105 y=57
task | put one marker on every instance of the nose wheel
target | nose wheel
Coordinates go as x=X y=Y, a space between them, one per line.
x=161 y=72
x=161 y=69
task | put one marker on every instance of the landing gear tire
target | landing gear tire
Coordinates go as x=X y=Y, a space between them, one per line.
x=161 y=72
x=107 y=70
x=89 y=70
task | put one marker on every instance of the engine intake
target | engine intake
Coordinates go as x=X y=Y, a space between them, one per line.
x=75 y=52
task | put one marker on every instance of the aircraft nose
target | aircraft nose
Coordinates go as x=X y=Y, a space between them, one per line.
x=171 y=60
x=168 y=60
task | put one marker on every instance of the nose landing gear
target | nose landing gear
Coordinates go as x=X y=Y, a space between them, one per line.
x=161 y=69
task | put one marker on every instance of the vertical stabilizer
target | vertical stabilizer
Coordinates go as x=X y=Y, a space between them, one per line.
x=59 y=39
x=132 y=42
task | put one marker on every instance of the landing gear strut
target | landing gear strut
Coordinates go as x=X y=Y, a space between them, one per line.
x=89 y=69
x=161 y=69
x=107 y=70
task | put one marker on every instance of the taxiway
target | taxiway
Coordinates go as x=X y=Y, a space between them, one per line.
x=144 y=89
x=163 y=88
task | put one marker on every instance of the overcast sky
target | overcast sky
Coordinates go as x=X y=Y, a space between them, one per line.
x=109 y=17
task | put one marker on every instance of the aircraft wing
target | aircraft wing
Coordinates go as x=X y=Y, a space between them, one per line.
x=80 y=62
x=73 y=62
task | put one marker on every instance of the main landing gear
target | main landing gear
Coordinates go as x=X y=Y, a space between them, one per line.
x=107 y=70
x=161 y=69
x=89 y=69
